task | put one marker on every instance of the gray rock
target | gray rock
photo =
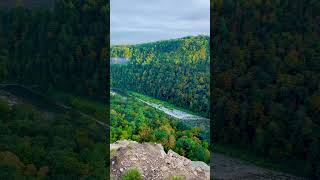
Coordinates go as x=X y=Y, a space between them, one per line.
x=153 y=162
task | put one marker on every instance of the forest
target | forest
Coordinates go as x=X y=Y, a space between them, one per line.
x=131 y=119
x=265 y=87
x=62 y=48
x=176 y=71
x=50 y=144
x=65 y=47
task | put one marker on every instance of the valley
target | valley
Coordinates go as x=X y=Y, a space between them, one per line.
x=135 y=120
x=167 y=108
x=164 y=78
x=225 y=165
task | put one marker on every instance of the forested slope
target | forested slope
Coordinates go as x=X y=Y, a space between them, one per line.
x=266 y=76
x=41 y=141
x=65 y=48
x=133 y=120
x=176 y=71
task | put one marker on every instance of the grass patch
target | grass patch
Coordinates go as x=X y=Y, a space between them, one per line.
x=178 y=178
x=132 y=174
x=291 y=166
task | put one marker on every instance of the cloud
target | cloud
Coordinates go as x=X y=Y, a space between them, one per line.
x=138 y=21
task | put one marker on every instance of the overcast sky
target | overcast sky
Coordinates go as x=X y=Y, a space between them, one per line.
x=138 y=21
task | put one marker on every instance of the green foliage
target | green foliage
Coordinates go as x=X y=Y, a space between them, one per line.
x=176 y=71
x=64 y=48
x=62 y=147
x=178 y=178
x=131 y=119
x=265 y=91
x=132 y=174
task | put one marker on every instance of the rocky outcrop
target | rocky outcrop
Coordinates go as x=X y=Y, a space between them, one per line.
x=153 y=162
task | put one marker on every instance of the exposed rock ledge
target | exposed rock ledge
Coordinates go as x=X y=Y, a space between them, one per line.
x=153 y=162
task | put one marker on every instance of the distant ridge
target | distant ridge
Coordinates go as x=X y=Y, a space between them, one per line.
x=163 y=40
x=27 y=3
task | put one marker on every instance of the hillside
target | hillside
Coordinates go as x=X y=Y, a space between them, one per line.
x=153 y=162
x=40 y=139
x=134 y=120
x=56 y=130
x=175 y=70
x=265 y=85
x=64 y=48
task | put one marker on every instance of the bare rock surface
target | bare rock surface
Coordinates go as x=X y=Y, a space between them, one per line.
x=230 y=168
x=153 y=162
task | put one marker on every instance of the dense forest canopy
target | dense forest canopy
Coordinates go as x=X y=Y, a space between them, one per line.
x=65 y=47
x=176 y=71
x=131 y=119
x=266 y=78
x=46 y=145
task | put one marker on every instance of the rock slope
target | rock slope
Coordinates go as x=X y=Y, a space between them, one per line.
x=153 y=162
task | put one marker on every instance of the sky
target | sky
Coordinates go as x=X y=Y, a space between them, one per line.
x=140 y=21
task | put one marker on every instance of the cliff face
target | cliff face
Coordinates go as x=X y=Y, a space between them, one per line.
x=153 y=162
